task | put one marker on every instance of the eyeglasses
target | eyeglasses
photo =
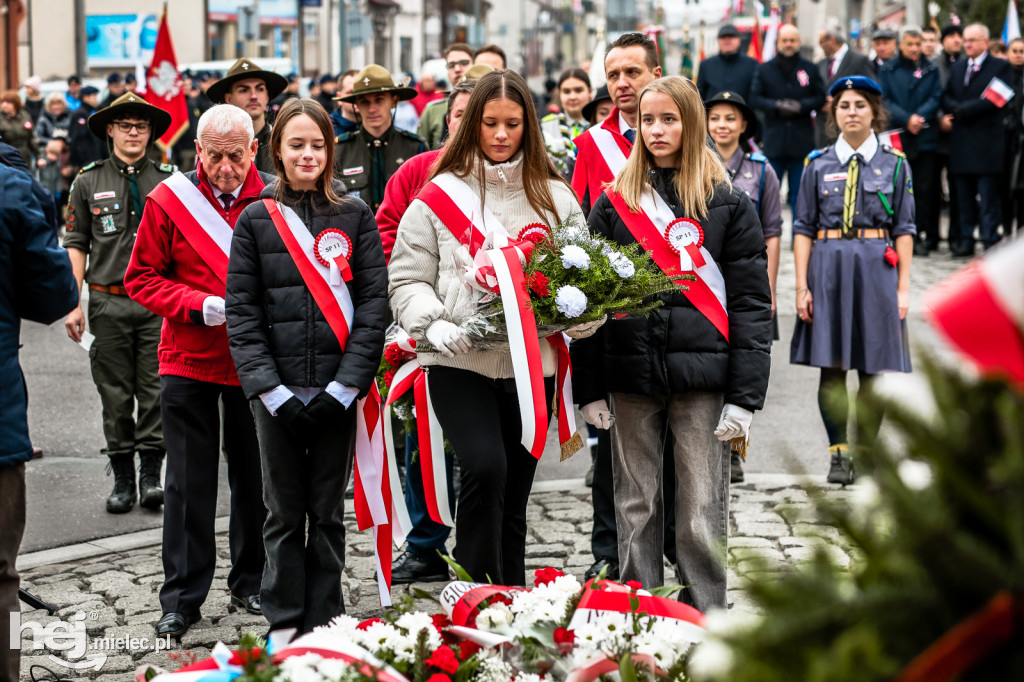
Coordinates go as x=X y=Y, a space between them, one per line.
x=461 y=62
x=126 y=126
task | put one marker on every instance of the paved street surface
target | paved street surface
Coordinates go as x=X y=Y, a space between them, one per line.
x=116 y=589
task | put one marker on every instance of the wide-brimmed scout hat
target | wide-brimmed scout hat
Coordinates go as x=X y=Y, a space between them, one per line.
x=735 y=99
x=130 y=104
x=373 y=79
x=476 y=72
x=241 y=70
x=590 y=108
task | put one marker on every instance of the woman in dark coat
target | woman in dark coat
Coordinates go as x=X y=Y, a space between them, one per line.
x=306 y=312
x=853 y=241
x=17 y=128
x=699 y=365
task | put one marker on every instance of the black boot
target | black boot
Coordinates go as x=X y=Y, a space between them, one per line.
x=151 y=495
x=122 y=499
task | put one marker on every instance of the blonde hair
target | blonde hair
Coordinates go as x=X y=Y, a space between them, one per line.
x=700 y=169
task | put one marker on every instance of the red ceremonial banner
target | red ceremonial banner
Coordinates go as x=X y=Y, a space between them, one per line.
x=164 y=88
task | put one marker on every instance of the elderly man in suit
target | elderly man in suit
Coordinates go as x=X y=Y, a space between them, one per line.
x=839 y=62
x=976 y=145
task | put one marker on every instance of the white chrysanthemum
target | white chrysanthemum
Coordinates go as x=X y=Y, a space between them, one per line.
x=332 y=668
x=575 y=257
x=343 y=626
x=497 y=616
x=711 y=659
x=417 y=621
x=376 y=637
x=661 y=648
x=622 y=266
x=300 y=668
x=914 y=474
x=570 y=301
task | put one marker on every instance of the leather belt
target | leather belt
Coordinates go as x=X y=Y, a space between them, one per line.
x=115 y=289
x=873 y=233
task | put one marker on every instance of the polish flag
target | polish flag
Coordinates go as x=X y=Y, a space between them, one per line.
x=998 y=92
x=772 y=34
x=164 y=87
x=891 y=138
x=755 y=50
x=980 y=310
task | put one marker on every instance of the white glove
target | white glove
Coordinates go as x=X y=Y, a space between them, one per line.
x=582 y=331
x=735 y=422
x=598 y=414
x=448 y=338
x=213 y=311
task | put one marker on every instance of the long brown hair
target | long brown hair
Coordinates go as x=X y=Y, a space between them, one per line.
x=463 y=154
x=700 y=170
x=296 y=106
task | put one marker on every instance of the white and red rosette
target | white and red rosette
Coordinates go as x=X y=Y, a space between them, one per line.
x=535 y=232
x=685 y=237
x=333 y=248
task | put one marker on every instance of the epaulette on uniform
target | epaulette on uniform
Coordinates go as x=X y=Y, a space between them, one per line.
x=410 y=135
x=815 y=154
x=91 y=166
x=894 y=151
x=758 y=156
x=167 y=168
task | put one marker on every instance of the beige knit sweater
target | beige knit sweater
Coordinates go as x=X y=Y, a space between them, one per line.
x=426 y=284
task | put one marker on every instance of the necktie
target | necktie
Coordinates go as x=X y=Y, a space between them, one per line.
x=850 y=196
x=630 y=135
x=831 y=67
x=972 y=67
x=133 y=189
x=226 y=199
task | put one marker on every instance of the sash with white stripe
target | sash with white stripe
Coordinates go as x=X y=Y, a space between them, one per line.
x=610 y=151
x=707 y=292
x=196 y=218
x=462 y=212
x=334 y=301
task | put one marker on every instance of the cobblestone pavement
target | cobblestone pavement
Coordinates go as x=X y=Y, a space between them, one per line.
x=772 y=528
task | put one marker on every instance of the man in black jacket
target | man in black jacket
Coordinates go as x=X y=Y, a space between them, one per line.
x=85 y=147
x=976 y=145
x=728 y=70
x=787 y=89
x=839 y=62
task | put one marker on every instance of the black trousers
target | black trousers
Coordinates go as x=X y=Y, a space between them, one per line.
x=942 y=162
x=304 y=479
x=926 y=176
x=480 y=417
x=604 y=537
x=192 y=431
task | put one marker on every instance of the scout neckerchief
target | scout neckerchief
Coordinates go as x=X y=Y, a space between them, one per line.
x=676 y=245
x=334 y=300
x=198 y=220
x=131 y=171
x=850 y=196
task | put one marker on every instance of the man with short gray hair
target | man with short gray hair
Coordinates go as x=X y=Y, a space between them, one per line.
x=178 y=270
x=839 y=62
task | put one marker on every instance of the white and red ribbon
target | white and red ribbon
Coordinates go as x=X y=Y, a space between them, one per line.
x=333 y=248
x=686 y=236
x=202 y=225
x=648 y=227
x=334 y=302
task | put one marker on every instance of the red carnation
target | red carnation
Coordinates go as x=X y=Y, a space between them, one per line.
x=439 y=677
x=542 y=576
x=368 y=622
x=467 y=649
x=634 y=585
x=564 y=636
x=389 y=376
x=441 y=622
x=394 y=355
x=538 y=283
x=444 y=659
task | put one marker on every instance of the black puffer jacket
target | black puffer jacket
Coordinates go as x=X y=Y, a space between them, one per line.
x=277 y=333
x=676 y=349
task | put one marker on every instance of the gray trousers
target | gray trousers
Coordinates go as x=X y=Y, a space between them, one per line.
x=701 y=484
x=12 y=527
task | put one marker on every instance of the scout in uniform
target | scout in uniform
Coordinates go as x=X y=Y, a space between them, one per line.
x=854 y=239
x=104 y=210
x=366 y=158
x=249 y=87
x=731 y=125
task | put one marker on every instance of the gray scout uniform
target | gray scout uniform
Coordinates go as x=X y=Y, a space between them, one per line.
x=856 y=319
x=103 y=217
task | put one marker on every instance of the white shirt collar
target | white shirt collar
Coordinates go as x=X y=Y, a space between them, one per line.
x=840 y=55
x=977 y=61
x=623 y=126
x=867 y=150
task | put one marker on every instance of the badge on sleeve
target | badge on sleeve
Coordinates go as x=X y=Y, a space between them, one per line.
x=685 y=236
x=333 y=248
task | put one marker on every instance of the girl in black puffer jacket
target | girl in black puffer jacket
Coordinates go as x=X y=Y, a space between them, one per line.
x=306 y=313
x=699 y=365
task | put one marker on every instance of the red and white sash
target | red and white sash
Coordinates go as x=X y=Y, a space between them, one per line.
x=461 y=210
x=648 y=227
x=603 y=160
x=613 y=150
x=334 y=301
x=196 y=218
